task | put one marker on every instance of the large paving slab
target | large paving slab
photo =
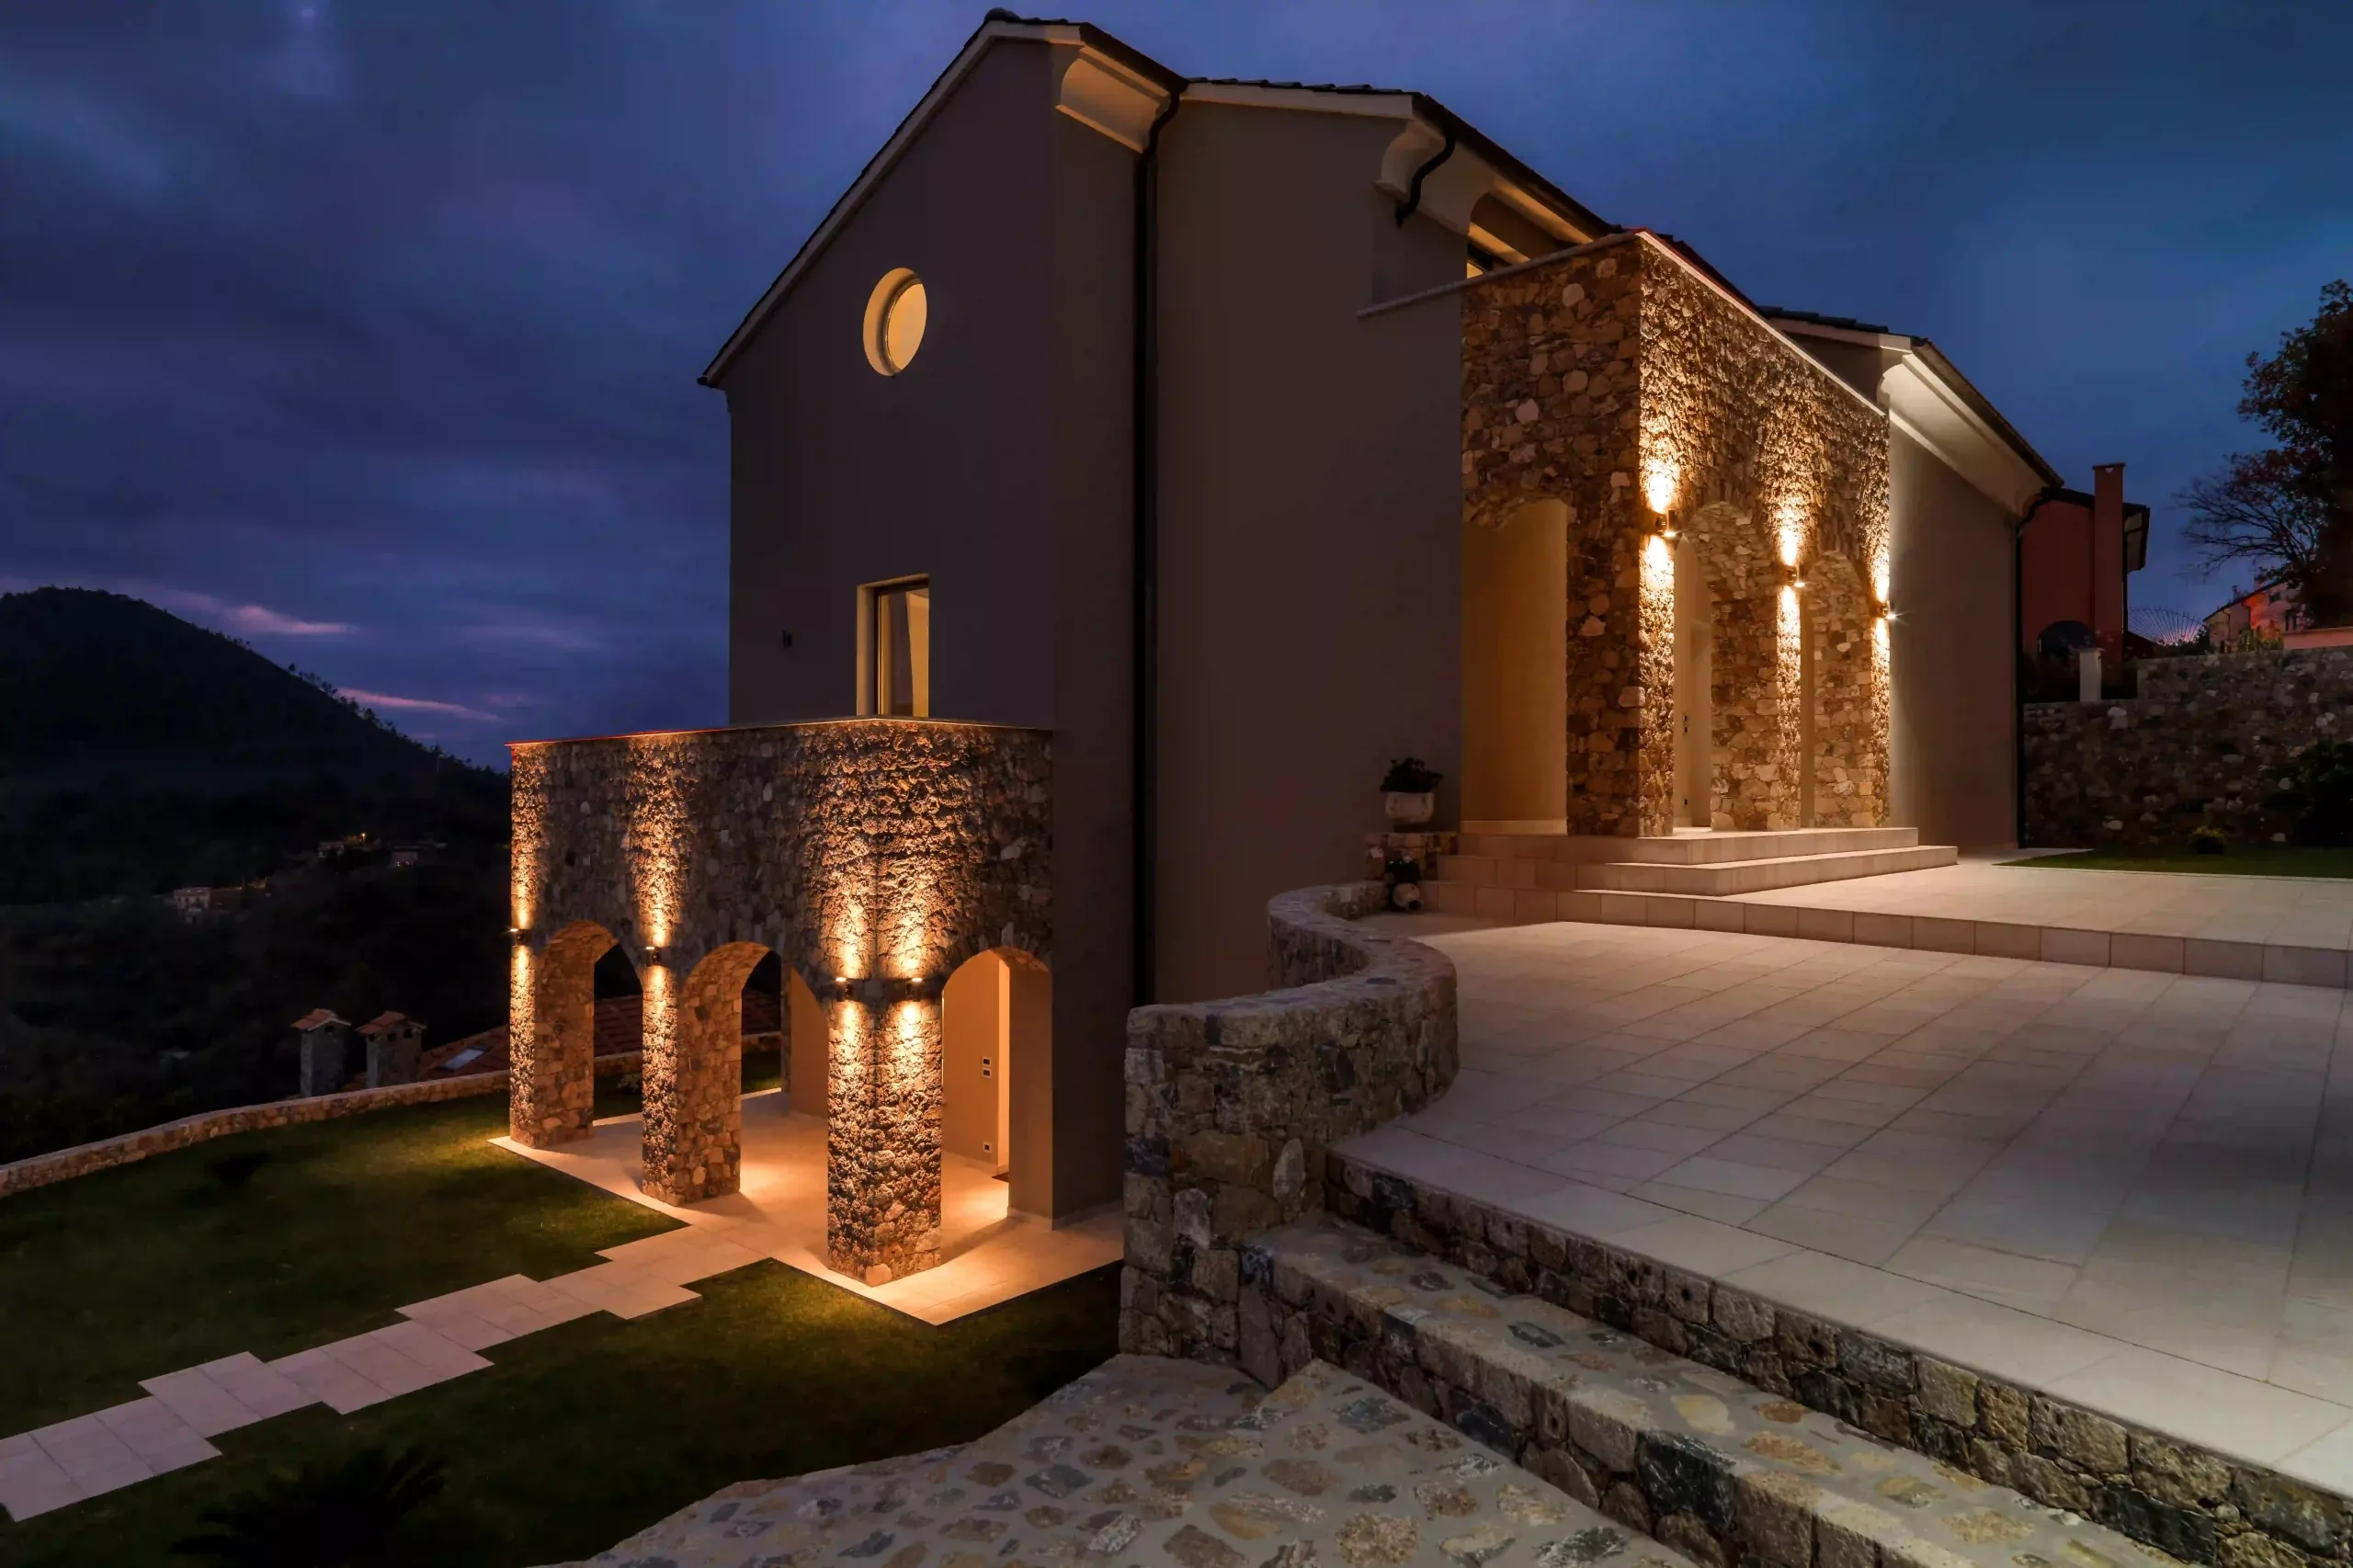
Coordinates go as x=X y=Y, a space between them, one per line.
x=1146 y=1461
x=2129 y=1188
x=2298 y=930
x=990 y=1255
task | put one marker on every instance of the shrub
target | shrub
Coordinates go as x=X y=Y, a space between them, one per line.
x=2210 y=841
x=342 y=1513
x=2319 y=786
x=1410 y=776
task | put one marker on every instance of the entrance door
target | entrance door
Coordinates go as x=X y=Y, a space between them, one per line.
x=1694 y=702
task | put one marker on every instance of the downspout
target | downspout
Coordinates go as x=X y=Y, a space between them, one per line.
x=1145 y=611
x=2018 y=698
x=1406 y=208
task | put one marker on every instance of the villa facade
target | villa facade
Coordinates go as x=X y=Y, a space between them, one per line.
x=1130 y=466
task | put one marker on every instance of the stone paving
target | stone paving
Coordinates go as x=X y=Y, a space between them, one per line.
x=989 y=1254
x=1148 y=1460
x=438 y=1340
x=2289 y=912
x=1712 y=1464
x=2130 y=1190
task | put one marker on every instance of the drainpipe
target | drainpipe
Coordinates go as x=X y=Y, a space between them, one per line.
x=1406 y=208
x=2017 y=702
x=1145 y=610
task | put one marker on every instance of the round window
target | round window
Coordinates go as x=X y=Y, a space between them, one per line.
x=895 y=314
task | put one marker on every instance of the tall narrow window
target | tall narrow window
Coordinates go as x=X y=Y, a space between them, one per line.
x=895 y=675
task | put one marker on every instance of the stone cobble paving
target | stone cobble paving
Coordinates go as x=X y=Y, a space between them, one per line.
x=1150 y=1461
x=1723 y=1470
x=438 y=1339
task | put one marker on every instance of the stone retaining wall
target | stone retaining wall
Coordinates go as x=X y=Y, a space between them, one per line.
x=64 y=1165
x=2205 y=744
x=2198 y=1507
x=1232 y=1105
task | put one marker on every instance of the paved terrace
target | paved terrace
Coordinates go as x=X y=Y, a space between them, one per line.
x=2280 y=912
x=2130 y=1190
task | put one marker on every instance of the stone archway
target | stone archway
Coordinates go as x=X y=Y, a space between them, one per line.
x=693 y=1076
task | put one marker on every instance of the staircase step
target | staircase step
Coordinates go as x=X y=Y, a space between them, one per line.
x=1725 y=878
x=1724 y=1471
x=1149 y=1460
x=1687 y=849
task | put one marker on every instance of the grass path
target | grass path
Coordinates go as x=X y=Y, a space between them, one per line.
x=582 y=1435
x=575 y=1436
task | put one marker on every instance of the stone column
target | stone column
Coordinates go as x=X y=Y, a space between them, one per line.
x=882 y=1129
x=552 y=1038
x=693 y=1078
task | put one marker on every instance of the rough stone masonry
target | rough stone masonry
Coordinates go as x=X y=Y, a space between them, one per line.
x=1619 y=379
x=873 y=856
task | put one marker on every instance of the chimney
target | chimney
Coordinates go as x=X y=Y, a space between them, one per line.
x=2108 y=567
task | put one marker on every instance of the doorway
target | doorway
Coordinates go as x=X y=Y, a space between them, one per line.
x=1695 y=641
x=1516 y=671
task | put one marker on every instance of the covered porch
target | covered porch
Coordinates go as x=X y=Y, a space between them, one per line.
x=896 y=867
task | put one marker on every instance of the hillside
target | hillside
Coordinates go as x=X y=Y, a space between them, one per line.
x=138 y=753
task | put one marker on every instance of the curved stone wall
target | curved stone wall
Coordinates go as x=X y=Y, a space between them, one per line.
x=1232 y=1105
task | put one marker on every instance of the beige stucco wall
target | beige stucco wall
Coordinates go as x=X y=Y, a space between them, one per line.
x=1310 y=554
x=1514 y=647
x=1953 y=740
x=997 y=463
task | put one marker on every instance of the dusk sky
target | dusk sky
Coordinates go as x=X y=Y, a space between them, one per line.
x=368 y=332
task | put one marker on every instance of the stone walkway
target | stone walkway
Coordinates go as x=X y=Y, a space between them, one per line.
x=989 y=1254
x=2284 y=912
x=440 y=1338
x=1147 y=1460
x=2133 y=1190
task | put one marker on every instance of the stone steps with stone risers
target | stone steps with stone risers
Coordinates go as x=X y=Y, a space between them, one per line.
x=1708 y=1463
x=1146 y=1461
x=1688 y=846
x=1720 y=879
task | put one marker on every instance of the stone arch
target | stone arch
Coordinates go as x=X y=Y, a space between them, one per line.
x=553 y=1057
x=1516 y=626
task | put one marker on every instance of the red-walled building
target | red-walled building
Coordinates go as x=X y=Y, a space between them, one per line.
x=2075 y=552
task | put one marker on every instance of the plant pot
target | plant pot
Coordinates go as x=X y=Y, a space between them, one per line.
x=1409 y=808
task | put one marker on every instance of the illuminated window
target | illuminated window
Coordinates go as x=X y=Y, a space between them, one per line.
x=894 y=652
x=895 y=316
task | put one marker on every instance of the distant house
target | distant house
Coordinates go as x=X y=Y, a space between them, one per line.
x=2076 y=553
x=2270 y=613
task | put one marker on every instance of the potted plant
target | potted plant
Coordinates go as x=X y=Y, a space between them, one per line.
x=1407 y=791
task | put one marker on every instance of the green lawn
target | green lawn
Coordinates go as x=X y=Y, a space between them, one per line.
x=2243 y=860
x=574 y=1438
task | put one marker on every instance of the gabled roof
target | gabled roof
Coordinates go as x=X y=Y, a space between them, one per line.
x=1119 y=60
x=1933 y=403
x=315 y=1018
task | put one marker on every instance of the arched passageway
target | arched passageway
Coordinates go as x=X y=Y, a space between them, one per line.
x=997 y=1020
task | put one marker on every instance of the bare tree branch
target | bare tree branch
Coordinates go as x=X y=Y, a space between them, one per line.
x=2255 y=515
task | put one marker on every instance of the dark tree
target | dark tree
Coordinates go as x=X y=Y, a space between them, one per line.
x=2289 y=509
